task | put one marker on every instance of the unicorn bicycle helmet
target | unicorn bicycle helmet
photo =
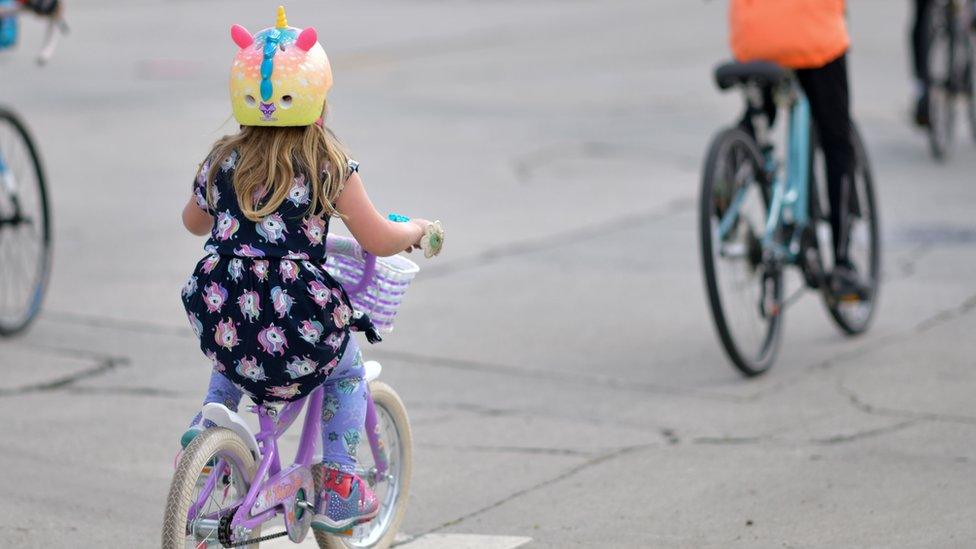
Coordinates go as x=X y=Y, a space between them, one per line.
x=280 y=76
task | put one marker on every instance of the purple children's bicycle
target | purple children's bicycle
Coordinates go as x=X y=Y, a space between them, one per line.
x=229 y=480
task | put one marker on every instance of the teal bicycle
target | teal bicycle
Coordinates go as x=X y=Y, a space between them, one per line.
x=760 y=215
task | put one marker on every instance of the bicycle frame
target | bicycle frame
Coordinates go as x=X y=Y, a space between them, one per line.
x=789 y=206
x=273 y=488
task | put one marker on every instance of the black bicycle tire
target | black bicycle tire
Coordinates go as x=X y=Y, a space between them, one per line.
x=748 y=367
x=40 y=287
x=863 y=163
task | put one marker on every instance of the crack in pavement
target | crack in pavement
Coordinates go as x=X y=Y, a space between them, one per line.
x=939 y=319
x=129 y=391
x=99 y=368
x=867 y=433
x=936 y=319
x=821 y=441
x=573 y=378
x=860 y=404
x=598 y=460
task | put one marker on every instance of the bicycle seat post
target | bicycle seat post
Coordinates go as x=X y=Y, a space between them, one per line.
x=756 y=111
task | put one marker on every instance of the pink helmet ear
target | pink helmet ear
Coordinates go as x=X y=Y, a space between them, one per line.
x=241 y=36
x=307 y=39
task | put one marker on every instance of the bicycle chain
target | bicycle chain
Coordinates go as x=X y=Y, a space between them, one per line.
x=257 y=540
x=224 y=533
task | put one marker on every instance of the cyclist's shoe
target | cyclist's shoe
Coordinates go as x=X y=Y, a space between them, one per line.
x=922 y=110
x=189 y=435
x=846 y=286
x=344 y=501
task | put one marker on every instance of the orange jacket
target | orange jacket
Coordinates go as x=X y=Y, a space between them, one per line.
x=799 y=34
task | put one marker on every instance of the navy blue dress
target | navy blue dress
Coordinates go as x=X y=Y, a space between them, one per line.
x=267 y=314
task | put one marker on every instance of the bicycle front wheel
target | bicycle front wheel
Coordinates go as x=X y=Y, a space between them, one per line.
x=744 y=293
x=392 y=490
x=25 y=228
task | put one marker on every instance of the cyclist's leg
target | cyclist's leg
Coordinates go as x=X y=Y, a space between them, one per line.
x=344 y=410
x=827 y=89
x=221 y=390
x=920 y=61
x=344 y=499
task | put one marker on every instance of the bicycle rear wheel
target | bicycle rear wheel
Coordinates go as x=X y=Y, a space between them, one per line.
x=397 y=442
x=864 y=245
x=941 y=38
x=25 y=228
x=215 y=469
x=744 y=293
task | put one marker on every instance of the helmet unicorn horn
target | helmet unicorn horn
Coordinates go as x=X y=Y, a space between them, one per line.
x=280 y=76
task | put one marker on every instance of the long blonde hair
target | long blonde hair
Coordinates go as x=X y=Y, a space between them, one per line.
x=268 y=158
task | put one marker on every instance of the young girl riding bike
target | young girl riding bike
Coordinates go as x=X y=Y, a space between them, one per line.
x=272 y=321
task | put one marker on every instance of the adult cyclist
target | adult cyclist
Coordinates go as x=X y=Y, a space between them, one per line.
x=48 y=8
x=920 y=57
x=810 y=37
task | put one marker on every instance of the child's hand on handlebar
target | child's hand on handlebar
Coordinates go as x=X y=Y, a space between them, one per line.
x=432 y=239
x=421 y=225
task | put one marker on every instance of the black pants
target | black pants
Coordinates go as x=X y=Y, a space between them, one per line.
x=920 y=54
x=827 y=90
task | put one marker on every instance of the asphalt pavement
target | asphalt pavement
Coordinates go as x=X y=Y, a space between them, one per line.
x=564 y=382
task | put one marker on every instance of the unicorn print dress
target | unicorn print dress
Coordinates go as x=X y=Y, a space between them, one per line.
x=267 y=314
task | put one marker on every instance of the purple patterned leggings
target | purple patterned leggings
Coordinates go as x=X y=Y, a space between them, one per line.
x=343 y=407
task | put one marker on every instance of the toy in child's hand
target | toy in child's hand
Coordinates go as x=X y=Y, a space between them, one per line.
x=433 y=239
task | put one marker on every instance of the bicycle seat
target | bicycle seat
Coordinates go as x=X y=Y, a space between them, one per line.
x=763 y=73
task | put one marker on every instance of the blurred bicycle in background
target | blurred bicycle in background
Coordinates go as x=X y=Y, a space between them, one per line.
x=25 y=225
x=948 y=40
x=760 y=215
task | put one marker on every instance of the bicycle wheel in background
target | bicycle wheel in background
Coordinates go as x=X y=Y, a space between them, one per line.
x=392 y=491
x=743 y=293
x=968 y=50
x=864 y=245
x=25 y=227
x=940 y=35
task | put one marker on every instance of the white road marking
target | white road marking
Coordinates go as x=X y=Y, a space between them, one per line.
x=429 y=541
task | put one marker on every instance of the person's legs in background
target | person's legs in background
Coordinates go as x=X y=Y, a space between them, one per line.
x=827 y=90
x=920 y=61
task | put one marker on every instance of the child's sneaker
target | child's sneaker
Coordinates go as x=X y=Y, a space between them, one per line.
x=344 y=501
